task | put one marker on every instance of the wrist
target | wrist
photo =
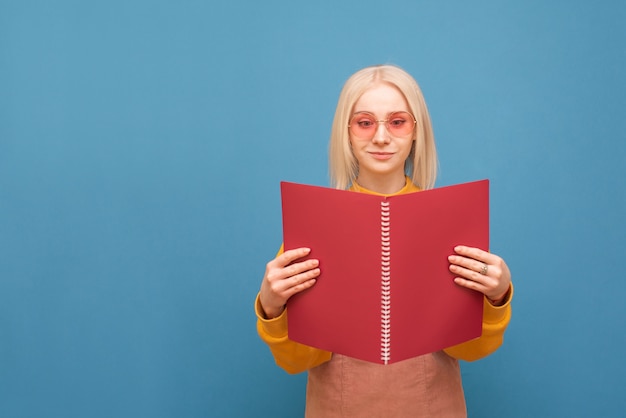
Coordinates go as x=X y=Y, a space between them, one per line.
x=498 y=301
x=272 y=313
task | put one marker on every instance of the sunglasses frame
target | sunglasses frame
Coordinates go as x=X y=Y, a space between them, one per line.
x=379 y=121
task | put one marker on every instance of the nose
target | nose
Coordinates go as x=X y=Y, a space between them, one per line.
x=382 y=135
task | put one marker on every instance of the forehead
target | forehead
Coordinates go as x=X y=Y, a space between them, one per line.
x=380 y=99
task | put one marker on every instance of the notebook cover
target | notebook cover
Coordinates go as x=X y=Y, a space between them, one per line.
x=385 y=293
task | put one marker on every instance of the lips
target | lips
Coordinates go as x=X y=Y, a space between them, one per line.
x=381 y=155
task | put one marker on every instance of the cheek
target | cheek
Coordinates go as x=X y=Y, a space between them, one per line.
x=407 y=151
x=355 y=146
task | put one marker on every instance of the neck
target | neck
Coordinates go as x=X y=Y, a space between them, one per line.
x=382 y=184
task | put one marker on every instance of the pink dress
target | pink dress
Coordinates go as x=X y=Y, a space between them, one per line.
x=426 y=386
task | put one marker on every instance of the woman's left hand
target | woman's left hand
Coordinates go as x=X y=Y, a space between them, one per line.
x=482 y=271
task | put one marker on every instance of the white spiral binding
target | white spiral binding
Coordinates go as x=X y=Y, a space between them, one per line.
x=385 y=313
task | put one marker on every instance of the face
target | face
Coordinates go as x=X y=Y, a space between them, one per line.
x=381 y=158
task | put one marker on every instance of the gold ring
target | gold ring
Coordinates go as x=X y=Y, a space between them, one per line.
x=484 y=269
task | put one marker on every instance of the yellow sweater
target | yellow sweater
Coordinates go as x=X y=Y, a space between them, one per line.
x=294 y=357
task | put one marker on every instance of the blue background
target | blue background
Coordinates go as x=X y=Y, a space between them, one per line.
x=141 y=148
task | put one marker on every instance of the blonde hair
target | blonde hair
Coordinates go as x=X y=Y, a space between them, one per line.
x=420 y=165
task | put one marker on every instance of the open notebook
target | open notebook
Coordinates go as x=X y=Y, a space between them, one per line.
x=385 y=293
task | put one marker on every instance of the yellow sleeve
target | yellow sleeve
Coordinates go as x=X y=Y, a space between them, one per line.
x=495 y=321
x=293 y=357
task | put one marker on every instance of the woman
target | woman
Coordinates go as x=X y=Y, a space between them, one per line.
x=382 y=143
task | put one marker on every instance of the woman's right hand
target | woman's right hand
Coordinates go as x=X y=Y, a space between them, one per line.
x=284 y=277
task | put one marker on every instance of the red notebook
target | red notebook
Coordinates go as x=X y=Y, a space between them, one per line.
x=385 y=293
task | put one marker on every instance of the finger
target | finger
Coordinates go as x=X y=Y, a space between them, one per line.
x=469 y=274
x=283 y=265
x=469 y=264
x=284 y=289
x=303 y=276
x=301 y=282
x=471 y=284
x=282 y=278
x=290 y=256
x=299 y=268
x=476 y=253
x=489 y=285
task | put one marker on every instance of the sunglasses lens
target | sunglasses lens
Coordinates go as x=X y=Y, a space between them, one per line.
x=400 y=123
x=363 y=125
